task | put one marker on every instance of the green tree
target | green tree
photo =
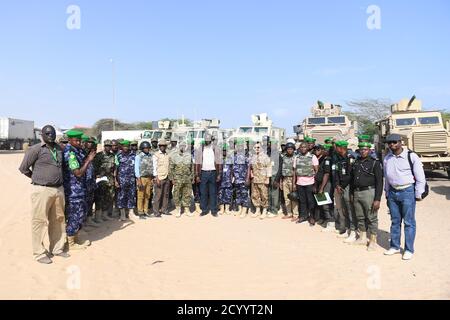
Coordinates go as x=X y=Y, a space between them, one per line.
x=445 y=116
x=366 y=112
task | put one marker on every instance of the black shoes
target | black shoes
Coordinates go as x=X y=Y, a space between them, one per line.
x=203 y=214
x=214 y=214
x=301 y=220
x=44 y=260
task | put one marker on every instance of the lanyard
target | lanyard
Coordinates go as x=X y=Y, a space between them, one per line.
x=54 y=155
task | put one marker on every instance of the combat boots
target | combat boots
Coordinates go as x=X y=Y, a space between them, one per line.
x=123 y=215
x=329 y=228
x=345 y=234
x=242 y=212
x=362 y=240
x=91 y=222
x=98 y=216
x=255 y=214
x=372 y=243
x=73 y=245
x=263 y=214
x=178 y=212
x=271 y=215
x=85 y=243
x=105 y=216
x=351 y=238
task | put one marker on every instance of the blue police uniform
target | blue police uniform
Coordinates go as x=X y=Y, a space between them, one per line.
x=74 y=190
x=91 y=185
x=240 y=171
x=126 y=196
x=226 y=183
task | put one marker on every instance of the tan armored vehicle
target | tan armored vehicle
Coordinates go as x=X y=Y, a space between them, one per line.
x=422 y=131
x=326 y=121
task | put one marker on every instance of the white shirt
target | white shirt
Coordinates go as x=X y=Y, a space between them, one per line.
x=208 y=162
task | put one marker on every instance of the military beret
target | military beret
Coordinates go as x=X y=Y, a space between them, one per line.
x=341 y=143
x=364 y=137
x=327 y=146
x=162 y=142
x=85 y=137
x=74 y=134
x=134 y=142
x=125 y=143
x=329 y=139
x=364 y=145
x=107 y=143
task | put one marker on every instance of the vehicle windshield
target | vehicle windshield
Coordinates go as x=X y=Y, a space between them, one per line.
x=201 y=134
x=262 y=131
x=316 y=120
x=429 y=120
x=406 y=122
x=147 y=135
x=157 y=135
x=245 y=130
x=336 y=120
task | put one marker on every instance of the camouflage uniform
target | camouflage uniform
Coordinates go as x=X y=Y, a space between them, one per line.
x=104 y=165
x=261 y=171
x=288 y=183
x=91 y=185
x=181 y=172
x=74 y=189
x=240 y=172
x=126 y=196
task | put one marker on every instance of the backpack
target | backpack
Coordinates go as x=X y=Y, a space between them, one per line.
x=427 y=188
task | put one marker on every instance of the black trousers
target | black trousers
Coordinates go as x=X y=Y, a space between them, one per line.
x=306 y=201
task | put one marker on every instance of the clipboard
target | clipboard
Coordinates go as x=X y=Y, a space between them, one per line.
x=323 y=199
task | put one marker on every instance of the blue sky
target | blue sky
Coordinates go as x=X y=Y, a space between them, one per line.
x=225 y=59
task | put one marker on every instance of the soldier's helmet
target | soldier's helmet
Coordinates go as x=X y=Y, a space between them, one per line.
x=290 y=145
x=144 y=144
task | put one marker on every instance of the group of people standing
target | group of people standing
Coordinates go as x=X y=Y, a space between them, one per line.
x=70 y=178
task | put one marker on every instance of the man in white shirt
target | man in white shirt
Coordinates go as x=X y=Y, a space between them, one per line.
x=208 y=172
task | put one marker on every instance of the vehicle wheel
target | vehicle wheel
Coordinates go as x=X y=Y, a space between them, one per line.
x=17 y=145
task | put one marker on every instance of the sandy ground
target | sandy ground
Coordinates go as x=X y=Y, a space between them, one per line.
x=221 y=258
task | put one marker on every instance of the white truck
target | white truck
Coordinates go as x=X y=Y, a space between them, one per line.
x=15 y=134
